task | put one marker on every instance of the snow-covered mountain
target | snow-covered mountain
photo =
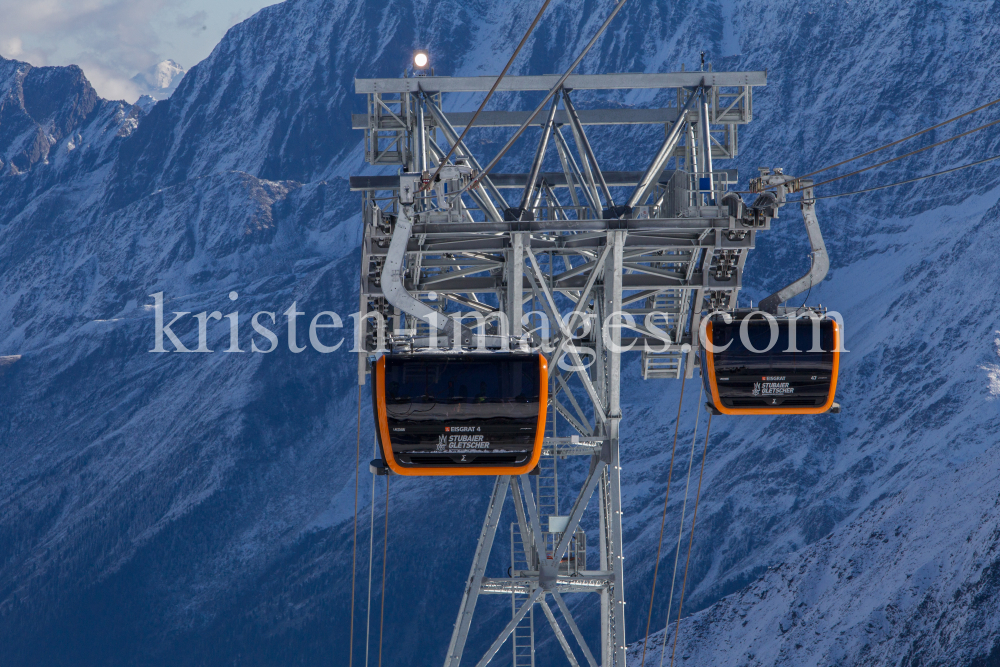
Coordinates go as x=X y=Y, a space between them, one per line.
x=159 y=81
x=196 y=509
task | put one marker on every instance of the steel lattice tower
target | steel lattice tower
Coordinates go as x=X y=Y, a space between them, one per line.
x=672 y=251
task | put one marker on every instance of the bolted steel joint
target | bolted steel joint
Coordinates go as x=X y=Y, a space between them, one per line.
x=548 y=573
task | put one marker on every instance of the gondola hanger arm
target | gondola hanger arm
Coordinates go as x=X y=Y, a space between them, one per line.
x=392 y=271
x=820 y=259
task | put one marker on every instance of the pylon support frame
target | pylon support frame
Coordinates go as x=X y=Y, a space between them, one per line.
x=675 y=250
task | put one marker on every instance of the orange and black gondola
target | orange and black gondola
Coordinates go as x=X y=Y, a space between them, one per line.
x=460 y=414
x=746 y=380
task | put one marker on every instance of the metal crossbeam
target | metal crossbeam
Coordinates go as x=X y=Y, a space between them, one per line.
x=555 y=179
x=359 y=121
x=470 y=84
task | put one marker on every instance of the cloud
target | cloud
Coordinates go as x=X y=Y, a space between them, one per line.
x=194 y=23
x=109 y=39
x=112 y=40
x=13 y=47
x=109 y=83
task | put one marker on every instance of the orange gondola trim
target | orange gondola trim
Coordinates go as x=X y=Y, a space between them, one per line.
x=389 y=455
x=710 y=364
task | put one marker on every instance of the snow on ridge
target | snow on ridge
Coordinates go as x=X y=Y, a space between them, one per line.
x=993 y=371
x=160 y=80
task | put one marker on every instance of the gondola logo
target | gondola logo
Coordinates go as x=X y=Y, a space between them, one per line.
x=451 y=442
x=772 y=388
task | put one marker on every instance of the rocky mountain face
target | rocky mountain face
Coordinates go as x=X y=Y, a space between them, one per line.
x=54 y=132
x=197 y=508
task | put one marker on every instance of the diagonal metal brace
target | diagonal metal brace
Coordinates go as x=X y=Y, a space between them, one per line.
x=558 y=633
x=581 y=136
x=536 y=525
x=527 y=198
x=550 y=302
x=574 y=629
x=463 y=152
x=578 y=508
x=663 y=156
x=510 y=628
x=483 y=548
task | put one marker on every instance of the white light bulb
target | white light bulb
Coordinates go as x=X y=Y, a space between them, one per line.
x=420 y=60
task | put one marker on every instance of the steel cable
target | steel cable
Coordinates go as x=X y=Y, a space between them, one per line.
x=663 y=521
x=385 y=553
x=899 y=141
x=492 y=90
x=911 y=180
x=885 y=162
x=354 y=554
x=680 y=532
x=544 y=102
x=371 y=552
x=914 y=152
x=694 y=521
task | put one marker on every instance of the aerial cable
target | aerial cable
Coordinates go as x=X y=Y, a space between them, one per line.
x=496 y=83
x=694 y=521
x=912 y=180
x=385 y=553
x=371 y=551
x=900 y=157
x=354 y=554
x=680 y=533
x=663 y=520
x=899 y=141
x=548 y=96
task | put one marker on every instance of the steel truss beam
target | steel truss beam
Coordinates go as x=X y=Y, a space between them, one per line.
x=468 y=84
x=553 y=178
x=359 y=121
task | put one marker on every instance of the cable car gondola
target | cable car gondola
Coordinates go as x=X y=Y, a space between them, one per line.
x=460 y=414
x=778 y=381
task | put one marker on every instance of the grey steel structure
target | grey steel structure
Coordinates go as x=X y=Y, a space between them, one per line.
x=660 y=244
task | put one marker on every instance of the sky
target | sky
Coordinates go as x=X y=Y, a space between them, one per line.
x=112 y=40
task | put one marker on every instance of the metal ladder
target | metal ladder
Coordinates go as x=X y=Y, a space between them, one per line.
x=547 y=481
x=669 y=364
x=547 y=503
